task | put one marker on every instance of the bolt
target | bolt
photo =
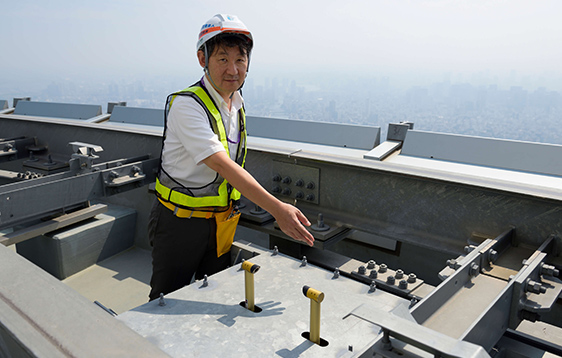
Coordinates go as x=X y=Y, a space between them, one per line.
x=362 y=270
x=399 y=274
x=310 y=185
x=390 y=280
x=382 y=268
x=277 y=177
x=257 y=210
x=452 y=263
x=320 y=226
x=413 y=302
x=320 y=221
x=205 y=281
x=474 y=269
x=286 y=191
x=412 y=278
x=286 y=180
x=135 y=170
x=373 y=274
x=492 y=255
x=534 y=287
x=549 y=270
x=113 y=175
x=299 y=195
x=336 y=273
x=373 y=286
x=299 y=182
x=50 y=161
x=467 y=249
x=310 y=197
x=275 y=251
x=386 y=344
x=276 y=189
x=371 y=264
x=403 y=284
x=303 y=262
x=161 y=300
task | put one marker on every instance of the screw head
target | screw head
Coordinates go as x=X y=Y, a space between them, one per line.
x=474 y=269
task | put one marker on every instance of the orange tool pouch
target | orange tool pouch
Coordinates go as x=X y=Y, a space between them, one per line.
x=226 y=228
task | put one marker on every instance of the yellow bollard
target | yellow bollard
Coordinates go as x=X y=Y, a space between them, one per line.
x=250 y=269
x=316 y=297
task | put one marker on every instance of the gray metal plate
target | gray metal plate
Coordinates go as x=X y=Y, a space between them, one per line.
x=333 y=134
x=209 y=322
x=491 y=152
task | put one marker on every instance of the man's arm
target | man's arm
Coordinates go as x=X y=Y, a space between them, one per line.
x=289 y=218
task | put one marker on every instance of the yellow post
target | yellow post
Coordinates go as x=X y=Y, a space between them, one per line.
x=316 y=297
x=250 y=269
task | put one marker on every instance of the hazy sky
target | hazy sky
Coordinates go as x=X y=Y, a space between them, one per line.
x=73 y=39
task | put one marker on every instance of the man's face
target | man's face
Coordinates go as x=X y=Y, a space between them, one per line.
x=227 y=68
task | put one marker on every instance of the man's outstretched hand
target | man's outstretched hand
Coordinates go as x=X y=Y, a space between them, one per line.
x=292 y=222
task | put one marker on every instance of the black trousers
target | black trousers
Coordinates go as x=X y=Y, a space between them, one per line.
x=181 y=247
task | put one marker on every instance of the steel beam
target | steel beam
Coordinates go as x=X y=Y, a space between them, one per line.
x=52 y=224
x=31 y=199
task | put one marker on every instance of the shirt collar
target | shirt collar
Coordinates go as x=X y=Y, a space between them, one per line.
x=237 y=100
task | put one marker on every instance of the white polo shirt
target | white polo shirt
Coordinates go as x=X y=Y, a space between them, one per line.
x=190 y=138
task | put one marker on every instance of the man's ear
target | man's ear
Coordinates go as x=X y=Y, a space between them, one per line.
x=201 y=58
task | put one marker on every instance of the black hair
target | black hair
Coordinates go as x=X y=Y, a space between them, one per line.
x=228 y=40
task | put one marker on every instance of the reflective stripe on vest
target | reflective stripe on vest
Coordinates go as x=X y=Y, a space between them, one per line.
x=222 y=199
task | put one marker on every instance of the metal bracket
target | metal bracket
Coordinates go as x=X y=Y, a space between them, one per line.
x=407 y=331
x=534 y=295
x=123 y=175
x=83 y=156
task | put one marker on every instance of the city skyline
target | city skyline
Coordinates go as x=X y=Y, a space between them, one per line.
x=489 y=110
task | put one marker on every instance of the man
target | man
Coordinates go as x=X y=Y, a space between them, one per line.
x=201 y=175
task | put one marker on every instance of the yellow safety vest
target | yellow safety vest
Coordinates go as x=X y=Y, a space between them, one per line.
x=179 y=195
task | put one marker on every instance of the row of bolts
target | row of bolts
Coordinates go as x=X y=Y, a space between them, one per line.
x=371 y=265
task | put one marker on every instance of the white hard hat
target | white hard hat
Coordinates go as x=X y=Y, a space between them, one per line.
x=220 y=24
